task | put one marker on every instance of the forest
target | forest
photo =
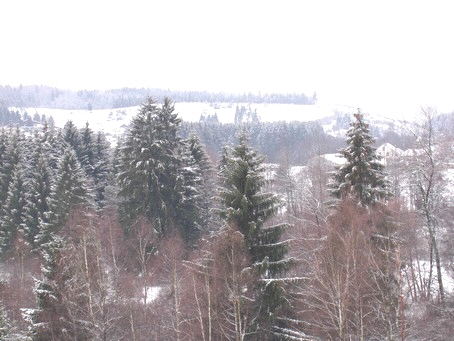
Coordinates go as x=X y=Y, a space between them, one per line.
x=40 y=96
x=176 y=234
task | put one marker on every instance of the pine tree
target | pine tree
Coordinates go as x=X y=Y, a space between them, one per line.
x=88 y=149
x=362 y=176
x=12 y=191
x=207 y=185
x=101 y=169
x=11 y=156
x=190 y=182
x=148 y=167
x=38 y=196
x=13 y=210
x=69 y=192
x=247 y=208
x=94 y=159
x=71 y=136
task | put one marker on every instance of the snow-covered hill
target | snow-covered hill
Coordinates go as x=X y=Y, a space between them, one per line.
x=333 y=118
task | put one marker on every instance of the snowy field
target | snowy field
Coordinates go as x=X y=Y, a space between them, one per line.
x=191 y=112
x=114 y=121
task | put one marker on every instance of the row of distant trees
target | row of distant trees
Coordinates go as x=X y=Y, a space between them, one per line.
x=158 y=239
x=15 y=118
x=49 y=97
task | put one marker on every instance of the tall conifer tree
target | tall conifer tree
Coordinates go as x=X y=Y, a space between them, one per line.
x=207 y=184
x=69 y=192
x=102 y=169
x=247 y=207
x=13 y=210
x=38 y=197
x=149 y=169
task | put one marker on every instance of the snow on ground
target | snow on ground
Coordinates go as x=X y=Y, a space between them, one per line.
x=151 y=293
x=114 y=121
x=111 y=121
x=266 y=112
x=423 y=268
x=112 y=118
x=334 y=158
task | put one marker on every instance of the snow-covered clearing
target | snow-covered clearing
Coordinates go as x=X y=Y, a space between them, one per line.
x=113 y=121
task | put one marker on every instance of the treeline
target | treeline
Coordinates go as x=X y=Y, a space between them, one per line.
x=291 y=142
x=158 y=239
x=295 y=142
x=49 y=97
x=14 y=117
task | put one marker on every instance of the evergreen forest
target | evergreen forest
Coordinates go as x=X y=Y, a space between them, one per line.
x=203 y=231
x=40 y=96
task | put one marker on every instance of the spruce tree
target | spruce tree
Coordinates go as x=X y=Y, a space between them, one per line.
x=38 y=196
x=13 y=152
x=12 y=188
x=247 y=207
x=71 y=135
x=101 y=169
x=362 y=176
x=70 y=191
x=207 y=183
x=88 y=149
x=148 y=167
x=13 y=210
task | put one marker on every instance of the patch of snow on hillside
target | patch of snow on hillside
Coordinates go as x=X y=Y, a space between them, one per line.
x=267 y=112
x=113 y=122
x=334 y=158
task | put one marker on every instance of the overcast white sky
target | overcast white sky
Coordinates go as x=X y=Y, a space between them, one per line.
x=372 y=54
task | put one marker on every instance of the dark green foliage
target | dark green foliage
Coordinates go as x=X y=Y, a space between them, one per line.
x=13 y=210
x=147 y=166
x=102 y=169
x=70 y=192
x=206 y=183
x=247 y=208
x=11 y=143
x=95 y=160
x=38 y=196
x=189 y=183
x=71 y=136
x=88 y=149
x=12 y=187
x=362 y=176
x=300 y=140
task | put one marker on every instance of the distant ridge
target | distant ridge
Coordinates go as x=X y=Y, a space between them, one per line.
x=41 y=96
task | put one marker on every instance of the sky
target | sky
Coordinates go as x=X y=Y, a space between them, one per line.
x=378 y=55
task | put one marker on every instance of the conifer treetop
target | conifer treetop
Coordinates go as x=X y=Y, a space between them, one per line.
x=362 y=176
